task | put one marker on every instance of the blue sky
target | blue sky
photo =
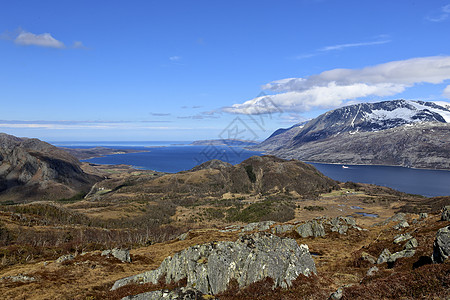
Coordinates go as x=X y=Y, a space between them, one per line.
x=186 y=70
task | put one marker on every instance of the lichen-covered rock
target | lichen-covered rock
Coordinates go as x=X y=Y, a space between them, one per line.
x=284 y=228
x=400 y=254
x=441 y=247
x=411 y=244
x=311 y=228
x=423 y=215
x=19 y=278
x=384 y=256
x=177 y=294
x=402 y=237
x=258 y=226
x=401 y=225
x=64 y=258
x=372 y=271
x=121 y=254
x=210 y=267
x=446 y=213
x=341 y=224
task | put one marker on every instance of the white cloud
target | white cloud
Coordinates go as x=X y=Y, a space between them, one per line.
x=350 y=45
x=175 y=58
x=446 y=92
x=335 y=87
x=42 y=40
x=443 y=14
x=381 y=39
x=79 y=45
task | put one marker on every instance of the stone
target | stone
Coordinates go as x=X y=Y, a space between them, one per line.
x=401 y=254
x=180 y=293
x=210 y=267
x=121 y=254
x=401 y=225
x=441 y=246
x=337 y=295
x=402 y=237
x=64 y=258
x=183 y=236
x=258 y=226
x=446 y=213
x=341 y=227
x=231 y=228
x=310 y=228
x=284 y=228
x=423 y=215
x=19 y=278
x=372 y=271
x=366 y=256
x=384 y=256
x=411 y=244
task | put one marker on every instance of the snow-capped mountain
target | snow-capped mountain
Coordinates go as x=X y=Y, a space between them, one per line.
x=365 y=117
x=359 y=125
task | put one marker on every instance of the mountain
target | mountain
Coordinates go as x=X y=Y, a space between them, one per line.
x=35 y=170
x=398 y=132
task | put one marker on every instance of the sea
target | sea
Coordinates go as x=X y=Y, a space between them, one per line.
x=175 y=156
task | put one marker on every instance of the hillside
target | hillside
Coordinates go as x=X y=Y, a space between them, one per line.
x=34 y=170
x=402 y=133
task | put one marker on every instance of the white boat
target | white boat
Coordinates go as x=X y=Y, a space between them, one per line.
x=344 y=167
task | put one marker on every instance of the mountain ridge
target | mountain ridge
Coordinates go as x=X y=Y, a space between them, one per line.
x=351 y=133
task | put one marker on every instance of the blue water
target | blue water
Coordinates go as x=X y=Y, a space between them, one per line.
x=367 y=215
x=173 y=159
x=429 y=183
x=175 y=156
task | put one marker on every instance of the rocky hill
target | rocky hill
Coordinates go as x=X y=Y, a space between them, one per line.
x=34 y=170
x=399 y=132
x=258 y=174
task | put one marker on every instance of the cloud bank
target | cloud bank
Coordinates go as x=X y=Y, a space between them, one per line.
x=332 y=88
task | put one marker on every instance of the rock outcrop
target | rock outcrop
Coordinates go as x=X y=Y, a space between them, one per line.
x=446 y=213
x=210 y=267
x=177 y=294
x=441 y=247
x=121 y=254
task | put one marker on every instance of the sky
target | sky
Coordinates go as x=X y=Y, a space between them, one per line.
x=188 y=70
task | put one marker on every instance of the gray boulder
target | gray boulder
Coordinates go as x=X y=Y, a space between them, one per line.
x=280 y=229
x=446 y=213
x=341 y=224
x=121 y=254
x=441 y=247
x=401 y=254
x=384 y=256
x=423 y=215
x=401 y=225
x=411 y=244
x=177 y=294
x=210 y=267
x=310 y=228
x=402 y=237
x=64 y=258
x=372 y=271
x=258 y=226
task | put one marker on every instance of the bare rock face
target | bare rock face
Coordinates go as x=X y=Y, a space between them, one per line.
x=446 y=213
x=441 y=247
x=210 y=267
x=121 y=254
x=32 y=169
x=177 y=294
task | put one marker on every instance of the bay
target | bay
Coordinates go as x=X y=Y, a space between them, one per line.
x=178 y=156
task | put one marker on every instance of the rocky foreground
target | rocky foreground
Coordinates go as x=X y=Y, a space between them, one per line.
x=405 y=256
